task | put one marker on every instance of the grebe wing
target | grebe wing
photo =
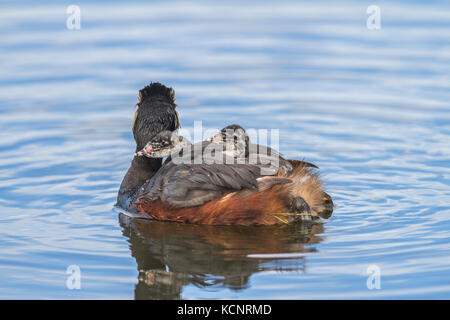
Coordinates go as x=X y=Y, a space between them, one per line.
x=264 y=154
x=193 y=185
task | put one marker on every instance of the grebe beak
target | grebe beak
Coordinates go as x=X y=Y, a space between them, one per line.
x=144 y=151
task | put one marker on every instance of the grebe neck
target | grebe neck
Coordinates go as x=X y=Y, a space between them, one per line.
x=141 y=169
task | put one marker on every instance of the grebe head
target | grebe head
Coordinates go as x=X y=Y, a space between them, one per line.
x=163 y=145
x=155 y=100
x=234 y=139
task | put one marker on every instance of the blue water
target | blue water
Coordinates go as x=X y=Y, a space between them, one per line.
x=369 y=107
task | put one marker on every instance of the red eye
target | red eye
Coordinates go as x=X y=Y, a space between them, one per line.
x=149 y=149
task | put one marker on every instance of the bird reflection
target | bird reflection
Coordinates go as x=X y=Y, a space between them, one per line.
x=172 y=255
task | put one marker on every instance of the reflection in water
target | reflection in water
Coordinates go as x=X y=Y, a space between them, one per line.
x=173 y=255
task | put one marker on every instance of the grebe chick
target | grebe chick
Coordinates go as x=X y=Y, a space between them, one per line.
x=235 y=136
x=164 y=144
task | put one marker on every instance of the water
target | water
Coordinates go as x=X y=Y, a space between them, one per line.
x=370 y=107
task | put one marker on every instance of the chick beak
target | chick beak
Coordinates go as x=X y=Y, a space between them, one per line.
x=143 y=151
